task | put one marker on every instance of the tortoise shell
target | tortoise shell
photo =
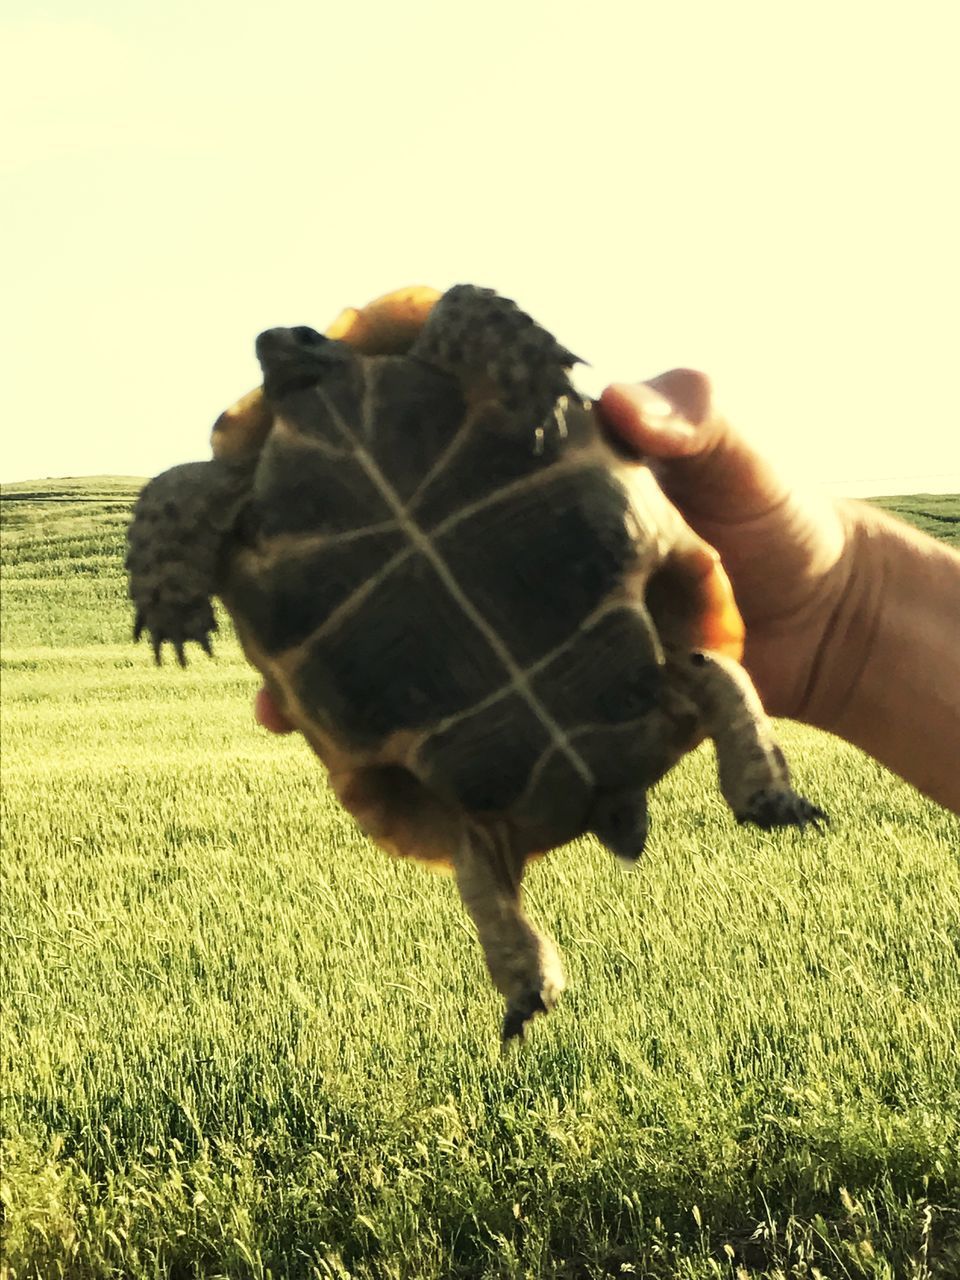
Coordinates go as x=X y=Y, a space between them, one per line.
x=492 y=626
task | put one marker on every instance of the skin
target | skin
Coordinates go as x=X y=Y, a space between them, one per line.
x=852 y=617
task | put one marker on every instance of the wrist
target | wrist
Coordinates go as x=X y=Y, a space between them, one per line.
x=887 y=674
x=849 y=632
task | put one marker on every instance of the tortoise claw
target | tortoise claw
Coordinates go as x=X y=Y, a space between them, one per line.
x=539 y=995
x=161 y=632
x=157 y=641
x=518 y=1014
x=781 y=807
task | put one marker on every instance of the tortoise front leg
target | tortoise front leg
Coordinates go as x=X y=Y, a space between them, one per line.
x=181 y=524
x=497 y=352
x=523 y=964
x=754 y=776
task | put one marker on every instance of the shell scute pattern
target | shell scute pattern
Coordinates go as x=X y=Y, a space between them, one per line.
x=286 y=596
x=298 y=491
x=567 y=546
x=412 y=416
x=400 y=659
x=626 y=686
x=486 y=461
x=484 y=759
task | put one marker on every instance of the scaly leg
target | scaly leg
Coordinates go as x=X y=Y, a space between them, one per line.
x=754 y=777
x=497 y=351
x=523 y=964
x=181 y=524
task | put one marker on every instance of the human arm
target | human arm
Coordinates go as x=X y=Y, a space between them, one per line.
x=888 y=678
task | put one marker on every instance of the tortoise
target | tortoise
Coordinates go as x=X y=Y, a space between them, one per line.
x=491 y=625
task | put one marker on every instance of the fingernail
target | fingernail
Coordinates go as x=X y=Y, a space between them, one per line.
x=655 y=410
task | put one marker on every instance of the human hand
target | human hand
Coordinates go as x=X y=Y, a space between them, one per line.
x=786 y=552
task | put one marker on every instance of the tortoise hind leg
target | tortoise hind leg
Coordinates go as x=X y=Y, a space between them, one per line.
x=523 y=964
x=497 y=351
x=180 y=526
x=754 y=776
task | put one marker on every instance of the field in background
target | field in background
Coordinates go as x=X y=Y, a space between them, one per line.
x=935 y=513
x=238 y=1041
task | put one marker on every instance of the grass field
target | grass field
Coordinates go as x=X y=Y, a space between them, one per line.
x=238 y=1041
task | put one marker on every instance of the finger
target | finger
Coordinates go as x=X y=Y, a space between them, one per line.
x=647 y=422
x=268 y=714
x=711 y=470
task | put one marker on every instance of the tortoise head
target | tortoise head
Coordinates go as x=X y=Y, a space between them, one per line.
x=386 y=326
x=294 y=359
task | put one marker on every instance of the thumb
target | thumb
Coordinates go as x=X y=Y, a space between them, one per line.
x=705 y=464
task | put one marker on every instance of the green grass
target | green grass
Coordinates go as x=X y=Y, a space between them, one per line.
x=238 y=1041
x=935 y=513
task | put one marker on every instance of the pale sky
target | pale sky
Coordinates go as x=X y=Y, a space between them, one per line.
x=764 y=190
